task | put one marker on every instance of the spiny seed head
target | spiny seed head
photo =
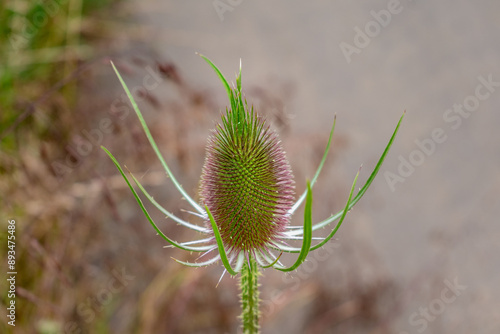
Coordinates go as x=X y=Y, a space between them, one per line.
x=246 y=182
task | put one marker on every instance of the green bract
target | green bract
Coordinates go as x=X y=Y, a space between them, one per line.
x=246 y=190
x=247 y=198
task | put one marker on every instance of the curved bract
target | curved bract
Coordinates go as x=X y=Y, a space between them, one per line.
x=247 y=192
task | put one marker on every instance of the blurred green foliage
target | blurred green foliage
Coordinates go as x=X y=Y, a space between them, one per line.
x=41 y=43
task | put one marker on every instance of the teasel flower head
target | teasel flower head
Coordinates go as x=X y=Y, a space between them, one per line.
x=246 y=182
x=247 y=192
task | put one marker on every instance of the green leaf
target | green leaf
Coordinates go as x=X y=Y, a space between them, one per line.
x=369 y=181
x=362 y=191
x=274 y=262
x=320 y=167
x=164 y=211
x=229 y=91
x=238 y=114
x=324 y=241
x=344 y=213
x=238 y=80
x=154 y=146
x=220 y=245
x=306 y=244
x=138 y=199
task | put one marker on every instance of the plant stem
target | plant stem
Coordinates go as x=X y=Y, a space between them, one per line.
x=250 y=297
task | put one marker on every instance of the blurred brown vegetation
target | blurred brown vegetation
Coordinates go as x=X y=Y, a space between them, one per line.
x=88 y=261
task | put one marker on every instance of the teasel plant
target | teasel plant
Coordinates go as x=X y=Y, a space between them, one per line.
x=247 y=199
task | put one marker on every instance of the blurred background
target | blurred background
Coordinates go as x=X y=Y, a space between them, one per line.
x=418 y=254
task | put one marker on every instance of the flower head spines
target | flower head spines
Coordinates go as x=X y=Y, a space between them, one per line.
x=247 y=181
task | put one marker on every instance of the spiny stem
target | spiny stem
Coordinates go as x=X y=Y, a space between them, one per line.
x=250 y=297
